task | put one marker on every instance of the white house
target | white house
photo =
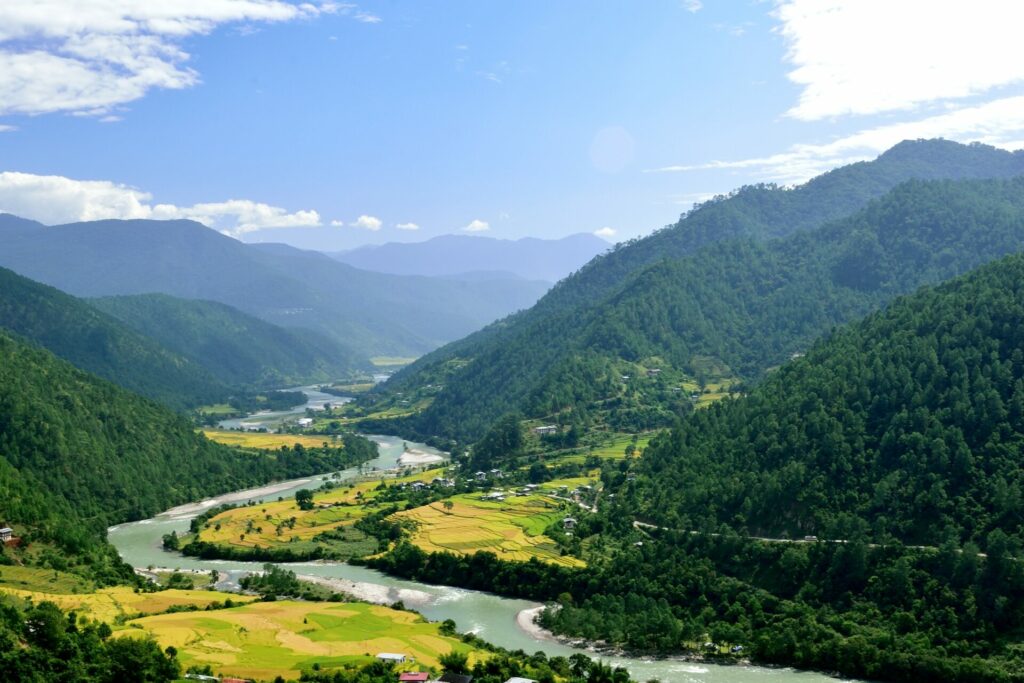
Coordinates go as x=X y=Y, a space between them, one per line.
x=5 y=534
x=391 y=657
x=305 y=421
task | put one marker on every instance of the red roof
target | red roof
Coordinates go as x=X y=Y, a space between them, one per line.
x=417 y=676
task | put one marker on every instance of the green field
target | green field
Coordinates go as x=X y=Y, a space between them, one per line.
x=267 y=639
x=42 y=580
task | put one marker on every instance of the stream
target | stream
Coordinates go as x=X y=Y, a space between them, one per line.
x=491 y=617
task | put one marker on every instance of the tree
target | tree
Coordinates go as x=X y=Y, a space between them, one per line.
x=304 y=498
x=448 y=505
x=454 y=662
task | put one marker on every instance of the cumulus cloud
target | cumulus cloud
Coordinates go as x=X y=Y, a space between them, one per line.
x=89 y=56
x=605 y=232
x=477 y=225
x=56 y=199
x=693 y=6
x=407 y=226
x=371 y=223
x=337 y=223
x=999 y=123
x=871 y=56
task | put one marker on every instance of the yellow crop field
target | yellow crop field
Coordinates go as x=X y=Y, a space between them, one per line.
x=513 y=529
x=270 y=442
x=267 y=639
x=108 y=604
x=259 y=524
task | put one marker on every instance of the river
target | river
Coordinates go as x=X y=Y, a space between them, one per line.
x=491 y=617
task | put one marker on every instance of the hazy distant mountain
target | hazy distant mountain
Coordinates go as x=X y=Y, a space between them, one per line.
x=530 y=258
x=236 y=348
x=369 y=313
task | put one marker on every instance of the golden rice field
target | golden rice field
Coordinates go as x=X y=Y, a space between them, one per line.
x=107 y=604
x=267 y=639
x=271 y=442
x=512 y=529
x=247 y=527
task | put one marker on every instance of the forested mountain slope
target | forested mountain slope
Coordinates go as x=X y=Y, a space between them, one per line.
x=746 y=303
x=758 y=212
x=98 y=343
x=906 y=426
x=369 y=313
x=238 y=349
x=78 y=454
x=896 y=443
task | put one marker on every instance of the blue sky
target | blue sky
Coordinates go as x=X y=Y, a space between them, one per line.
x=340 y=123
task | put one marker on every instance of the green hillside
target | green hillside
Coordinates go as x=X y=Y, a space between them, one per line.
x=98 y=343
x=78 y=454
x=858 y=512
x=236 y=348
x=739 y=305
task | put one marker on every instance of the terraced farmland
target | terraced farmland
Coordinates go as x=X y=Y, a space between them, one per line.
x=512 y=529
x=268 y=639
x=108 y=604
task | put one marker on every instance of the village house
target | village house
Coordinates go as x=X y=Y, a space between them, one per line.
x=653 y=372
x=6 y=534
x=546 y=429
x=305 y=422
x=569 y=523
x=480 y=476
x=496 y=473
x=414 y=677
x=391 y=657
x=517 y=679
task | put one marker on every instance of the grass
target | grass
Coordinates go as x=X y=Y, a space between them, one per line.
x=513 y=529
x=268 y=442
x=108 y=604
x=267 y=639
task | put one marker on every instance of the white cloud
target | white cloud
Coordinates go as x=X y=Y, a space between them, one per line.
x=7 y=129
x=367 y=18
x=371 y=223
x=477 y=225
x=337 y=223
x=871 y=56
x=407 y=226
x=56 y=199
x=605 y=232
x=999 y=123
x=89 y=56
x=693 y=6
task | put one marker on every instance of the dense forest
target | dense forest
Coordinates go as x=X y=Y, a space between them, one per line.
x=80 y=454
x=238 y=349
x=100 y=344
x=747 y=304
x=859 y=511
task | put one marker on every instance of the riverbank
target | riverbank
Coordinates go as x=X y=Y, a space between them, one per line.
x=370 y=592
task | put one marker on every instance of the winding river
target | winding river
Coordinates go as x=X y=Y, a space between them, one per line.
x=489 y=616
